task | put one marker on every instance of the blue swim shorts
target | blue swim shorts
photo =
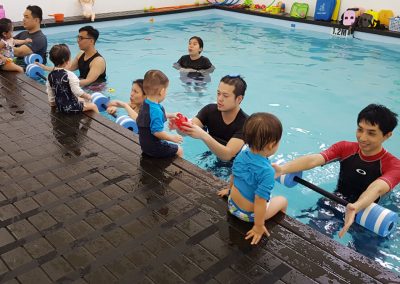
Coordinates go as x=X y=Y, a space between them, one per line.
x=240 y=213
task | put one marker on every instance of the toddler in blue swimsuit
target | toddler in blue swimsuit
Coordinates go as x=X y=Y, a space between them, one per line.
x=249 y=193
x=152 y=116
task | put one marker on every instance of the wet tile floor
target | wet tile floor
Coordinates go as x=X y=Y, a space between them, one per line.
x=79 y=203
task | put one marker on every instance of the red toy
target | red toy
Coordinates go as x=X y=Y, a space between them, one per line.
x=180 y=120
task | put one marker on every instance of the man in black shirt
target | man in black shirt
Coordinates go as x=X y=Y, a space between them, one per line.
x=220 y=125
x=32 y=19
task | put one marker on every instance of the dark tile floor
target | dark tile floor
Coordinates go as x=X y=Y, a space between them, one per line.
x=79 y=203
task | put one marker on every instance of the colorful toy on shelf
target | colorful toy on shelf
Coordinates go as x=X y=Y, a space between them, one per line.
x=350 y=16
x=335 y=14
x=247 y=4
x=2 y=12
x=299 y=10
x=260 y=7
x=324 y=10
x=370 y=19
x=394 y=24
x=58 y=18
x=275 y=9
x=384 y=17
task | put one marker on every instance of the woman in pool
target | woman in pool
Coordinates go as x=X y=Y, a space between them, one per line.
x=194 y=62
x=135 y=102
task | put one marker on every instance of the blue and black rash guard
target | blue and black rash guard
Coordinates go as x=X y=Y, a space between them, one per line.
x=150 y=120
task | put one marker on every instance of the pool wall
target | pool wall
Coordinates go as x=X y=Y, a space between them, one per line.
x=72 y=8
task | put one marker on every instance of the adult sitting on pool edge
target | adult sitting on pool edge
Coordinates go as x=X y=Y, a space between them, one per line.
x=220 y=125
x=91 y=65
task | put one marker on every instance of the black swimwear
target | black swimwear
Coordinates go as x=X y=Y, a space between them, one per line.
x=202 y=63
x=84 y=67
x=212 y=120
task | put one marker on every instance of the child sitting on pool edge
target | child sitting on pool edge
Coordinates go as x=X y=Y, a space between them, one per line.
x=194 y=61
x=63 y=88
x=135 y=101
x=150 y=121
x=252 y=180
x=7 y=44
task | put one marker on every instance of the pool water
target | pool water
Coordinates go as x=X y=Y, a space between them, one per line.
x=314 y=83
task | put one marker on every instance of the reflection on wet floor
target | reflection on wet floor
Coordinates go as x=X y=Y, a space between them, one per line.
x=70 y=130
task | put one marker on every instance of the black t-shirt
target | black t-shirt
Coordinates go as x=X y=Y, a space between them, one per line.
x=212 y=120
x=199 y=64
x=38 y=44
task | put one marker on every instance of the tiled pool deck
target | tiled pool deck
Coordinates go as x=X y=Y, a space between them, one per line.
x=79 y=203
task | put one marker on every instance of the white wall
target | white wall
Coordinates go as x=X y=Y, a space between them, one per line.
x=15 y=8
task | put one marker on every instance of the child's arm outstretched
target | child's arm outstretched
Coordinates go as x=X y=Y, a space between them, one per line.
x=162 y=135
x=259 y=229
x=111 y=108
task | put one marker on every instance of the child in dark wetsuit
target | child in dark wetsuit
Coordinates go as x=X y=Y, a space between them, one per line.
x=152 y=116
x=62 y=85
